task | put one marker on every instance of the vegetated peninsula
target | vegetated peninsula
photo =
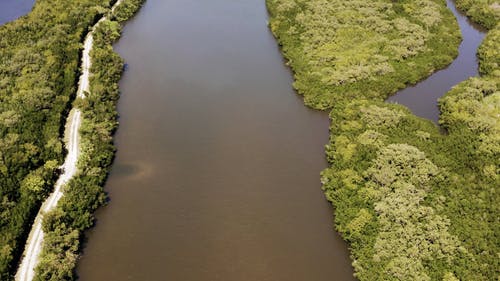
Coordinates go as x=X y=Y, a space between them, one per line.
x=413 y=203
x=39 y=71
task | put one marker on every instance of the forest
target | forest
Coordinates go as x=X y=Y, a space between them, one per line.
x=64 y=225
x=412 y=202
x=39 y=72
x=486 y=12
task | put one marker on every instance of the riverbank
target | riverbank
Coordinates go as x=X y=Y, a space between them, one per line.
x=13 y=9
x=38 y=75
x=412 y=203
x=97 y=99
x=30 y=260
x=216 y=172
x=421 y=98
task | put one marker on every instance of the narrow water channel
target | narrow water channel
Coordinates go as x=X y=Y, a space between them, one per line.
x=13 y=9
x=422 y=98
x=217 y=171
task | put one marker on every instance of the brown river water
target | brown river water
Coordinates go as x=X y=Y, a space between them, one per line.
x=217 y=171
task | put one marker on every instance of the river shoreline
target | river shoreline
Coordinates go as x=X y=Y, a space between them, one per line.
x=217 y=164
x=422 y=98
x=33 y=248
x=13 y=9
x=375 y=146
x=29 y=260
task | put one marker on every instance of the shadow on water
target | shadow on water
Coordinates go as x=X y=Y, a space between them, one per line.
x=217 y=171
x=422 y=98
x=13 y=9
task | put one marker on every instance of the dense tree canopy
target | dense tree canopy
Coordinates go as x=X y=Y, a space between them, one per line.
x=362 y=49
x=64 y=226
x=413 y=203
x=485 y=12
x=38 y=72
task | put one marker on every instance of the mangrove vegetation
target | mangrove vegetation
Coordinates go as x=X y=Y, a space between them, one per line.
x=64 y=225
x=413 y=203
x=413 y=200
x=39 y=70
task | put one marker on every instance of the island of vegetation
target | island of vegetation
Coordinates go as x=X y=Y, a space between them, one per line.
x=39 y=72
x=412 y=202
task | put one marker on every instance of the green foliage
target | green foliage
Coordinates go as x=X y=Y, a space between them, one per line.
x=484 y=12
x=418 y=203
x=59 y=264
x=126 y=10
x=343 y=50
x=470 y=114
x=38 y=68
x=489 y=53
x=64 y=226
x=413 y=203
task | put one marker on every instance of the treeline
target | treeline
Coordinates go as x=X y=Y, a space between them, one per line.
x=413 y=203
x=64 y=226
x=38 y=72
x=485 y=12
x=470 y=114
x=344 y=50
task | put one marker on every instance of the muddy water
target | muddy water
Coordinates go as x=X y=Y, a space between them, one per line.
x=12 y=9
x=217 y=171
x=422 y=98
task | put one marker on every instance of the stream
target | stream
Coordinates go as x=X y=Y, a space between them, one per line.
x=422 y=98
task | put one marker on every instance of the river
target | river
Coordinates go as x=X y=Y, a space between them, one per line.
x=217 y=171
x=422 y=98
x=12 y=9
